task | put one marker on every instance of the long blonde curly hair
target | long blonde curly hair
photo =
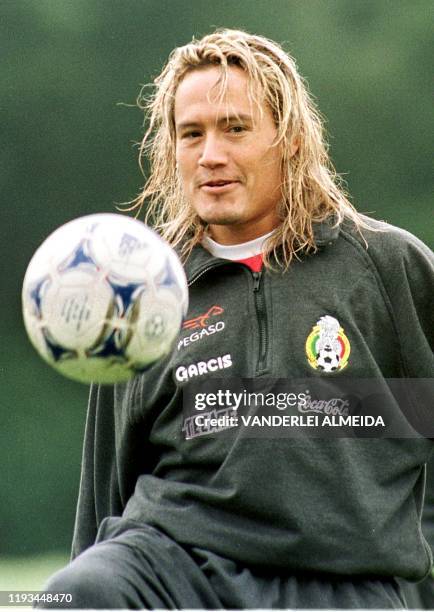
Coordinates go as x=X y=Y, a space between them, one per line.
x=311 y=189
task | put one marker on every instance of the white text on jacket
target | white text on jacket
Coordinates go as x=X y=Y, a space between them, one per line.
x=183 y=373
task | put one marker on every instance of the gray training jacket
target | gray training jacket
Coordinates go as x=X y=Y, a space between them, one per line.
x=342 y=506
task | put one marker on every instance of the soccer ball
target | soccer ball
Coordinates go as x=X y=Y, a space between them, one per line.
x=328 y=360
x=103 y=298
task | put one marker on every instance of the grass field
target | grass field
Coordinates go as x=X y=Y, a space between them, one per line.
x=28 y=573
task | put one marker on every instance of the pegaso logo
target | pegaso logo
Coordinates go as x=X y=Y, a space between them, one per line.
x=184 y=373
x=200 y=324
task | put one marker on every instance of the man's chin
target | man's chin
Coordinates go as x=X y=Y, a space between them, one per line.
x=227 y=220
x=219 y=217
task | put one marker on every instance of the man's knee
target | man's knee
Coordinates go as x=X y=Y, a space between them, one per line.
x=81 y=584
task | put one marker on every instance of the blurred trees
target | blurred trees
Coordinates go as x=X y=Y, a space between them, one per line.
x=70 y=73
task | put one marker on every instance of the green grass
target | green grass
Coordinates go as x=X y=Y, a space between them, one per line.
x=28 y=573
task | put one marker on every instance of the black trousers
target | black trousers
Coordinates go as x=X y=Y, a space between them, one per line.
x=133 y=566
x=419 y=596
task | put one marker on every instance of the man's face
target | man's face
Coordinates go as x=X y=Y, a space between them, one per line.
x=229 y=169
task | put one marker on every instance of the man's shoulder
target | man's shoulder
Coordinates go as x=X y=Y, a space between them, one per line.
x=384 y=243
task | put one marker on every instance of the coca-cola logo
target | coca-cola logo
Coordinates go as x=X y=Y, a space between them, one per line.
x=333 y=406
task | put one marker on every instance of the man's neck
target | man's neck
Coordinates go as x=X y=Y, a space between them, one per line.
x=235 y=252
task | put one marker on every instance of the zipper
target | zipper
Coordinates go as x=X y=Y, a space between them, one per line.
x=261 y=313
x=261 y=316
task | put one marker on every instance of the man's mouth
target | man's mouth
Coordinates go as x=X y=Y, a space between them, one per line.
x=217 y=185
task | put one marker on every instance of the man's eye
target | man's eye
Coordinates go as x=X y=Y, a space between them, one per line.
x=192 y=134
x=237 y=129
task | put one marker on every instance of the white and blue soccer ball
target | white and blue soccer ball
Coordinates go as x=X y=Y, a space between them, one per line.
x=104 y=298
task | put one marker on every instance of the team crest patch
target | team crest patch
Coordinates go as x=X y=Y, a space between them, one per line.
x=327 y=347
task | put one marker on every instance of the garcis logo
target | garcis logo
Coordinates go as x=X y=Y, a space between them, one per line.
x=201 y=324
x=184 y=373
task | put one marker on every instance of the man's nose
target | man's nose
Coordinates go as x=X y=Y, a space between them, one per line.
x=213 y=152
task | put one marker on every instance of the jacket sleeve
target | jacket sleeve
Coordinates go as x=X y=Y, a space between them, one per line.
x=117 y=447
x=413 y=306
x=428 y=512
x=98 y=470
x=420 y=596
x=406 y=267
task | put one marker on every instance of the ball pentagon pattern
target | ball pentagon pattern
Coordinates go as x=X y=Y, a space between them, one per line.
x=103 y=298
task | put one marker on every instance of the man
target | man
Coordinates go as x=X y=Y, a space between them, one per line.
x=283 y=275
